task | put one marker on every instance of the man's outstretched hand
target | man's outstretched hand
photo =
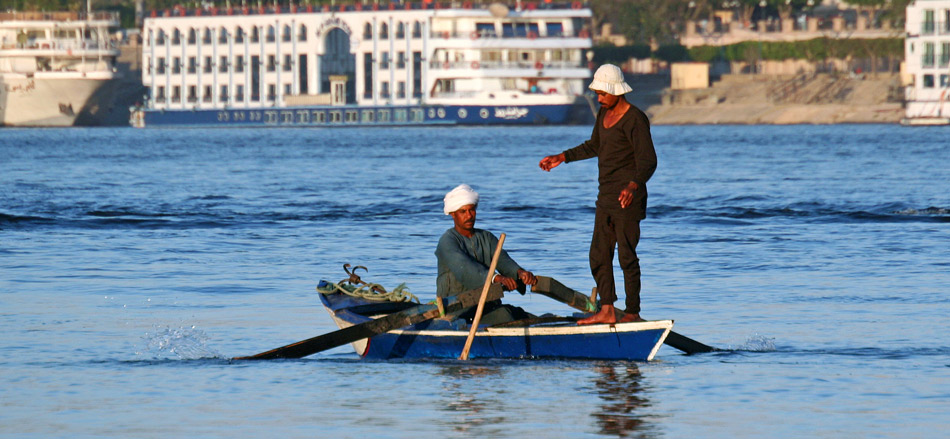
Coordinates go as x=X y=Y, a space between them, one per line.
x=550 y=162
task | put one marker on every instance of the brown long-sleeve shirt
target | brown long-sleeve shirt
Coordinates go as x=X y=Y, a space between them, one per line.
x=624 y=153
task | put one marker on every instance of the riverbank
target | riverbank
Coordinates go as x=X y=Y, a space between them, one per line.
x=779 y=100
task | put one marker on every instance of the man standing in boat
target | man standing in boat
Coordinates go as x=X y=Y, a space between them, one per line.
x=626 y=159
x=464 y=255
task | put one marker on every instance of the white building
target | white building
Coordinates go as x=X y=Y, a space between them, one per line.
x=927 y=62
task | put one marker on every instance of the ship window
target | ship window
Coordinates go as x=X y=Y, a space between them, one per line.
x=271 y=34
x=400 y=30
x=176 y=37
x=176 y=93
x=944 y=81
x=192 y=93
x=239 y=64
x=287 y=34
x=255 y=34
x=288 y=62
x=554 y=29
x=368 y=31
x=223 y=96
x=401 y=89
x=161 y=37
x=928 y=57
x=192 y=64
x=352 y=116
x=399 y=115
x=384 y=31
x=207 y=94
x=383 y=116
x=336 y=116
x=223 y=65
x=176 y=65
x=209 y=65
x=417 y=29
x=417 y=115
x=401 y=60
x=944 y=54
x=302 y=36
x=928 y=81
x=192 y=37
x=271 y=63
x=368 y=115
x=160 y=95
x=160 y=65
x=271 y=92
x=288 y=89
x=484 y=30
x=384 y=60
x=206 y=39
x=223 y=36
x=239 y=35
x=239 y=92
x=384 y=89
x=320 y=116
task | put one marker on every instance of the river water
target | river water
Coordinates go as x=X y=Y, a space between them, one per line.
x=135 y=263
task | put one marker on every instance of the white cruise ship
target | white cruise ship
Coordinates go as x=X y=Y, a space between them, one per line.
x=927 y=61
x=366 y=64
x=55 y=67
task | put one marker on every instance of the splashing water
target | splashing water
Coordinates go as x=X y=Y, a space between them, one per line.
x=181 y=343
x=757 y=343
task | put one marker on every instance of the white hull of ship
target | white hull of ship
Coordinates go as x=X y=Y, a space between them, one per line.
x=49 y=99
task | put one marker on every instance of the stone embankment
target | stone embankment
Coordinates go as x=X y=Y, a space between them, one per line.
x=760 y=99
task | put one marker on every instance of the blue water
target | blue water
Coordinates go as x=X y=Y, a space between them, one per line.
x=134 y=263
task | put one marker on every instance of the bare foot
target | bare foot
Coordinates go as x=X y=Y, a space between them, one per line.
x=631 y=318
x=605 y=315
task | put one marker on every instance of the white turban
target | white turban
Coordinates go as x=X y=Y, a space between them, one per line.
x=460 y=196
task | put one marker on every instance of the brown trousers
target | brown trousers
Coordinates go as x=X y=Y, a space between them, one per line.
x=616 y=228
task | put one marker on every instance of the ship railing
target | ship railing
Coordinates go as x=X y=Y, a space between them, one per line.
x=60 y=16
x=62 y=45
x=505 y=65
x=263 y=9
x=490 y=35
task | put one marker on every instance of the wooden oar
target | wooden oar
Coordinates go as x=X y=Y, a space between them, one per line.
x=411 y=316
x=552 y=288
x=481 y=301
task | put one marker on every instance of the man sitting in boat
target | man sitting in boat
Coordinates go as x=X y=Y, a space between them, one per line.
x=464 y=254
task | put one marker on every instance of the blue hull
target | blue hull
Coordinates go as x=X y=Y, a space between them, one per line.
x=442 y=339
x=352 y=116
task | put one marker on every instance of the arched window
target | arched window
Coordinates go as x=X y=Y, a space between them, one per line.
x=192 y=37
x=302 y=36
x=176 y=37
x=207 y=37
x=223 y=35
x=271 y=34
x=368 y=31
x=400 y=30
x=255 y=34
x=161 y=37
x=287 y=34
x=239 y=35
x=416 y=29
x=384 y=31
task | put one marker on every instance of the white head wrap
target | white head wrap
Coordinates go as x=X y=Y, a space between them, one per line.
x=458 y=197
x=609 y=79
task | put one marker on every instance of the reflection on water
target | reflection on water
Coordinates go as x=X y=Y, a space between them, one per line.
x=621 y=413
x=472 y=398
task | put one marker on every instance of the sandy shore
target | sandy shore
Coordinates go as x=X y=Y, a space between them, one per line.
x=745 y=99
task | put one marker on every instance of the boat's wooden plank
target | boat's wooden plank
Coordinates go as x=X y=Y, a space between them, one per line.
x=552 y=288
x=368 y=329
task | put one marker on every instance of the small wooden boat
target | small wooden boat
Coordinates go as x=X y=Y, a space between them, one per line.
x=542 y=337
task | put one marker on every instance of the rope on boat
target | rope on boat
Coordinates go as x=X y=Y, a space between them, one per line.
x=370 y=291
x=356 y=287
